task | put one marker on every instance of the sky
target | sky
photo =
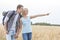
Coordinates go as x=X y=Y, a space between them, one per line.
x=35 y=7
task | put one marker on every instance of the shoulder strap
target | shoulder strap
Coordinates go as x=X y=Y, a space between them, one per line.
x=11 y=15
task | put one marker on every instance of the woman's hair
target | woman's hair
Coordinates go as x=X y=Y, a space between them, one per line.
x=24 y=10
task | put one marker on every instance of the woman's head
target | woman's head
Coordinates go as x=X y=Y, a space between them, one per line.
x=25 y=11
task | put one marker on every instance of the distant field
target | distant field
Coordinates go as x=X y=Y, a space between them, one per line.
x=39 y=33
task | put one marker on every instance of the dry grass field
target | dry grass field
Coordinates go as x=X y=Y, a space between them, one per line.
x=39 y=33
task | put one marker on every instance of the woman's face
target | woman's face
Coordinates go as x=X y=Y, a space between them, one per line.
x=25 y=11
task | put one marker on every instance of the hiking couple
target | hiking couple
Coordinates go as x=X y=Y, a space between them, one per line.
x=17 y=21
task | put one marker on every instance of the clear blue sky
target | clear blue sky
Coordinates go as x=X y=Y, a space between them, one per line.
x=35 y=7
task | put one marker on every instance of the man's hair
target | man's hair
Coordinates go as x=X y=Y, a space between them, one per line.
x=19 y=6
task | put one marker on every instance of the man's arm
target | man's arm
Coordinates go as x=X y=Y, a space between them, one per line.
x=39 y=15
x=6 y=20
x=18 y=29
x=6 y=28
x=6 y=24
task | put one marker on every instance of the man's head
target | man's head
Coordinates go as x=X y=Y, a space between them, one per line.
x=19 y=8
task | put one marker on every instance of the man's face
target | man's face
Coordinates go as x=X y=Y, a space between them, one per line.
x=20 y=10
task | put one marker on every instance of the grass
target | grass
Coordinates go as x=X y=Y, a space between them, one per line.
x=39 y=33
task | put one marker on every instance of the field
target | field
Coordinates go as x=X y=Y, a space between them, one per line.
x=39 y=33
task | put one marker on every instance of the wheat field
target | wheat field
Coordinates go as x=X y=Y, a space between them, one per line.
x=39 y=33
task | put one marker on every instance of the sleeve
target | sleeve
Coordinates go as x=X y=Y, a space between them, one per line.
x=7 y=17
x=18 y=21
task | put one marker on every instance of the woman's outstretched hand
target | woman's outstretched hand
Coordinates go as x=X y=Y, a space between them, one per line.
x=39 y=15
x=47 y=14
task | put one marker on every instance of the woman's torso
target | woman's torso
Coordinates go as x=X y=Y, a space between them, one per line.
x=26 y=22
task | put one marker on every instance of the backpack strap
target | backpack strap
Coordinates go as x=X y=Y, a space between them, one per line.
x=11 y=15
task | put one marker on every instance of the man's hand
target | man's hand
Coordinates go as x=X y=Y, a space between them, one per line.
x=6 y=32
x=16 y=35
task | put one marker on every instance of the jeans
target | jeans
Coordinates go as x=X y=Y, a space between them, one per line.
x=27 y=36
x=10 y=36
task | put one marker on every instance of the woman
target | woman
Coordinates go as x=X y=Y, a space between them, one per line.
x=26 y=22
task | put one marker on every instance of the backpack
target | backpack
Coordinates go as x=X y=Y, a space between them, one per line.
x=5 y=14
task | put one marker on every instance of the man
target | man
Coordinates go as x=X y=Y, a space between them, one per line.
x=12 y=26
